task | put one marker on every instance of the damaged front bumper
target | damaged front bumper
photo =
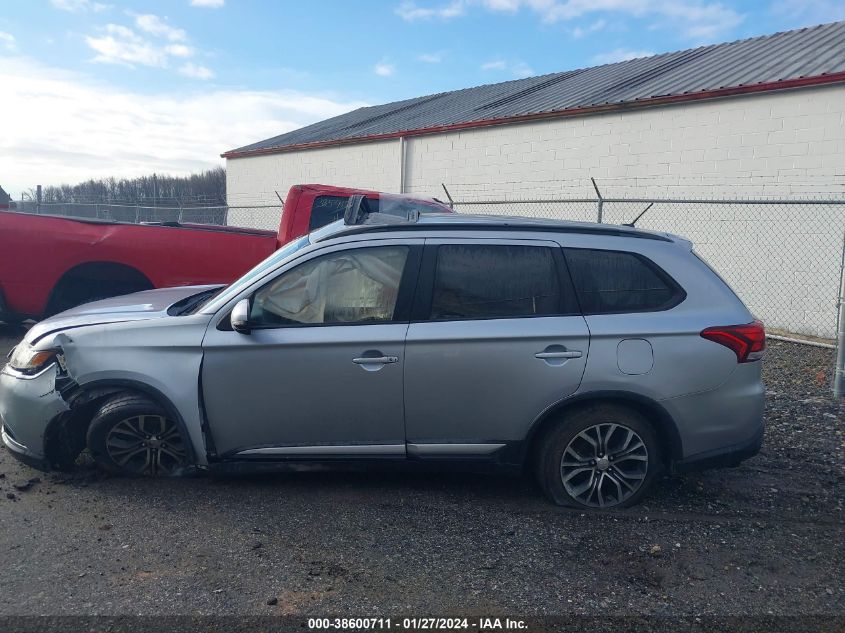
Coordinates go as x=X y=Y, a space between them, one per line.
x=27 y=406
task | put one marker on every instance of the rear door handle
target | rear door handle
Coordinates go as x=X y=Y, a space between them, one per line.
x=378 y=360
x=566 y=354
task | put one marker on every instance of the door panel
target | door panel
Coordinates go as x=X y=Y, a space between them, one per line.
x=480 y=381
x=302 y=386
x=481 y=373
x=321 y=372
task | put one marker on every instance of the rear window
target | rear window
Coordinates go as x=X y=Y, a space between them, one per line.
x=327 y=209
x=610 y=282
x=494 y=281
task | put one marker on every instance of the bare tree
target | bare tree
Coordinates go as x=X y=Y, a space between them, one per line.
x=208 y=187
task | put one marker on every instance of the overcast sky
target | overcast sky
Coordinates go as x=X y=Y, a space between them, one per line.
x=124 y=88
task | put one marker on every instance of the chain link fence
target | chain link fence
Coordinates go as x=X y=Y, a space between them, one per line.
x=783 y=257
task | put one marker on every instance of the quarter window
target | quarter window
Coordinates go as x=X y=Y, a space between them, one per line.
x=353 y=286
x=614 y=281
x=479 y=281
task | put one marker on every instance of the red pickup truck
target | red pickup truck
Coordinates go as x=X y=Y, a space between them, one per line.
x=51 y=263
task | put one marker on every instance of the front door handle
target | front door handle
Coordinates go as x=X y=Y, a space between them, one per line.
x=378 y=360
x=562 y=354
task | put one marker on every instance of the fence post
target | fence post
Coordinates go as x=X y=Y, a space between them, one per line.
x=451 y=202
x=600 y=202
x=839 y=376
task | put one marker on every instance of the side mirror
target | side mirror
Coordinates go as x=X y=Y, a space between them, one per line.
x=240 y=317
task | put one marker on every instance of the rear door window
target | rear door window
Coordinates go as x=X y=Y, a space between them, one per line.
x=487 y=281
x=610 y=282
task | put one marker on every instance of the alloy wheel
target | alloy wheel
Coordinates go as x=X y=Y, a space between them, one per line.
x=148 y=445
x=604 y=465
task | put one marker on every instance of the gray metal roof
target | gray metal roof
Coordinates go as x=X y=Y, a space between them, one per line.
x=768 y=62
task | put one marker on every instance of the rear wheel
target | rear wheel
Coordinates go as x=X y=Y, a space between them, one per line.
x=132 y=435
x=602 y=456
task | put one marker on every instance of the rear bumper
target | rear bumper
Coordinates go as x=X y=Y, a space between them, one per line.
x=727 y=420
x=723 y=457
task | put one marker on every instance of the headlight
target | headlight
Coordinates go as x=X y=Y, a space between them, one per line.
x=25 y=358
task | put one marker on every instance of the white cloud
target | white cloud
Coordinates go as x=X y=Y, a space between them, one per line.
x=7 y=41
x=619 y=55
x=430 y=58
x=159 y=27
x=195 y=71
x=810 y=12
x=118 y=44
x=179 y=50
x=121 y=45
x=516 y=68
x=496 y=64
x=579 y=31
x=384 y=68
x=701 y=20
x=521 y=69
x=75 y=6
x=411 y=12
x=69 y=128
x=209 y=4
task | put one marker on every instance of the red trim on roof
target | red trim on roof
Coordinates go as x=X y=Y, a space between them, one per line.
x=786 y=84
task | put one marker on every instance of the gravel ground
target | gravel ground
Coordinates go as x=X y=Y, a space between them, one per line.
x=764 y=538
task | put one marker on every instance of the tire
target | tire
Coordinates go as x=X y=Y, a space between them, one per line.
x=619 y=458
x=132 y=436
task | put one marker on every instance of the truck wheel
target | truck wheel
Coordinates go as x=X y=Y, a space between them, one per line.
x=91 y=282
x=132 y=436
x=599 y=457
x=75 y=292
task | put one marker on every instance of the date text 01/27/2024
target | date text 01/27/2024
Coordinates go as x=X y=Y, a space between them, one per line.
x=417 y=624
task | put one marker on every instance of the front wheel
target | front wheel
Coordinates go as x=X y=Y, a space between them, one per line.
x=600 y=457
x=133 y=436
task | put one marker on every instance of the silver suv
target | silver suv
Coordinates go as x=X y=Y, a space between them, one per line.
x=597 y=356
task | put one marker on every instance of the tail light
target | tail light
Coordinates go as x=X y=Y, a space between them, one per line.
x=747 y=341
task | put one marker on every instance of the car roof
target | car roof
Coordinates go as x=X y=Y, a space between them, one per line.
x=432 y=222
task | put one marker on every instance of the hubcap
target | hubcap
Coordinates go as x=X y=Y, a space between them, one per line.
x=604 y=465
x=147 y=445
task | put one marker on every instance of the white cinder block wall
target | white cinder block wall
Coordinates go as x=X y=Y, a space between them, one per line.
x=254 y=180
x=787 y=144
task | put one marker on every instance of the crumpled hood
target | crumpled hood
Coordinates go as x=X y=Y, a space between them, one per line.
x=139 y=306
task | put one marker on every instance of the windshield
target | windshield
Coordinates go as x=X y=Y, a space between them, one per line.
x=244 y=281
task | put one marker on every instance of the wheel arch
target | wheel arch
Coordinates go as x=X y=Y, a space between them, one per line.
x=86 y=400
x=664 y=426
x=97 y=269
